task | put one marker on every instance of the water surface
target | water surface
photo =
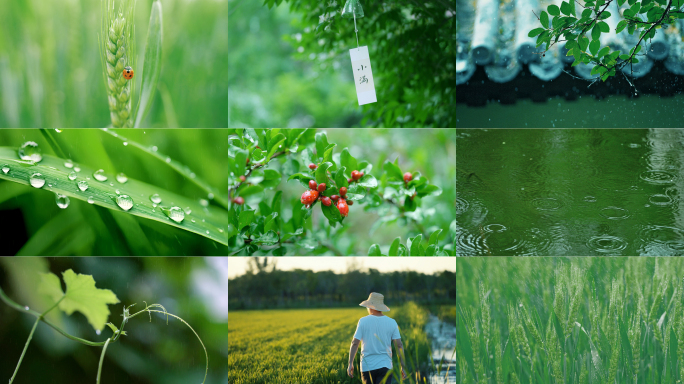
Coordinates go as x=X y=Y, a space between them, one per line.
x=574 y=192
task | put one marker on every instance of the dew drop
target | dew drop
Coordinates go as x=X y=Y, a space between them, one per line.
x=72 y=176
x=192 y=175
x=207 y=232
x=77 y=169
x=98 y=332
x=204 y=203
x=175 y=213
x=30 y=151
x=69 y=164
x=83 y=185
x=221 y=230
x=124 y=202
x=188 y=210
x=121 y=178
x=90 y=200
x=154 y=148
x=62 y=200
x=118 y=192
x=193 y=220
x=155 y=199
x=168 y=159
x=125 y=143
x=5 y=169
x=210 y=196
x=58 y=130
x=37 y=180
x=26 y=308
x=99 y=175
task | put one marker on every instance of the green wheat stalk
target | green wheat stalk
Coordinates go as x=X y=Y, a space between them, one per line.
x=117 y=42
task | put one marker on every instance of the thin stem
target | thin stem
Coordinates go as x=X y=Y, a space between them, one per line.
x=252 y=169
x=24 y=351
x=99 y=367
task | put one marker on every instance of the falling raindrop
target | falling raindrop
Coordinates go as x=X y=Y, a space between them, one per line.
x=90 y=200
x=62 y=200
x=83 y=185
x=5 y=169
x=188 y=210
x=121 y=178
x=174 y=213
x=69 y=164
x=30 y=151
x=37 y=180
x=155 y=198
x=125 y=202
x=99 y=175
x=72 y=176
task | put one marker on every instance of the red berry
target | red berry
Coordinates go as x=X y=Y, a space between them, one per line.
x=326 y=201
x=312 y=184
x=334 y=197
x=350 y=180
x=361 y=174
x=343 y=207
x=343 y=191
x=356 y=175
x=408 y=177
x=243 y=178
x=239 y=200
x=350 y=202
x=247 y=162
x=308 y=197
x=321 y=187
x=313 y=166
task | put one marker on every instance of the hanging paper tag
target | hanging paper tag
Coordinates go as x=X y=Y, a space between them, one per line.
x=363 y=76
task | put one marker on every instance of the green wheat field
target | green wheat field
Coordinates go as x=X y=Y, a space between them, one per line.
x=570 y=320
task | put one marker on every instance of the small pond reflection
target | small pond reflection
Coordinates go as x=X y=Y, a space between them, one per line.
x=574 y=192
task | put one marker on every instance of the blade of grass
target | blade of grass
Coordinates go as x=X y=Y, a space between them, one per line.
x=180 y=168
x=210 y=222
x=152 y=64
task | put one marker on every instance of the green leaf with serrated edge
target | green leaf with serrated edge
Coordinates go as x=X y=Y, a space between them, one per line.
x=553 y=10
x=544 y=19
x=322 y=172
x=374 y=250
x=321 y=144
x=535 y=32
x=594 y=47
x=332 y=214
x=393 y=171
x=348 y=161
x=81 y=295
x=341 y=179
x=152 y=64
x=394 y=248
x=246 y=218
x=434 y=237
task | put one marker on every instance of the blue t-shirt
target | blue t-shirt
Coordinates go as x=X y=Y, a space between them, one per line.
x=376 y=334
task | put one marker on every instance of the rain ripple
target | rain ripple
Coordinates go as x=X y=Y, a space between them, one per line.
x=614 y=213
x=607 y=244
x=658 y=177
x=660 y=240
x=461 y=205
x=497 y=240
x=547 y=204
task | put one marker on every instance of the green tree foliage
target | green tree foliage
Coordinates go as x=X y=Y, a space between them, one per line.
x=580 y=26
x=412 y=48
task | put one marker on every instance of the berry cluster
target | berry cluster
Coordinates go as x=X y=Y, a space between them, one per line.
x=355 y=176
x=314 y=193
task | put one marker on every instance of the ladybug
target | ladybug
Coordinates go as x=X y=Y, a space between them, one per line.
x=128 y=73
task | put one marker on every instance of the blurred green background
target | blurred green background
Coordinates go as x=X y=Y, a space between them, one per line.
x=269 y=87
x=432 y=152
x=194 y=289
x=51 y=74
x=97 y=230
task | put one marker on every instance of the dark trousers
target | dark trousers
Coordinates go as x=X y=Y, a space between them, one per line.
x=375 y=376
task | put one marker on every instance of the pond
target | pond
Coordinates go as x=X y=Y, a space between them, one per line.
x=570 y=192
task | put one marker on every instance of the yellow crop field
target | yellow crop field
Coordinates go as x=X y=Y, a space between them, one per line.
x=307 y=346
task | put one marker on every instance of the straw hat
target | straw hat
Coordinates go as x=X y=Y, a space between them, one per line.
x=375 y=301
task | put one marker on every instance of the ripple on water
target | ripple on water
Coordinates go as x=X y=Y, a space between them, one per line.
x=656 y=176
x=607 y=244
x=590 y=199
x=461 y=205
x=614 y=213
x=547 y=204
x=660 y=199
x=498 y=240
x=660 y=240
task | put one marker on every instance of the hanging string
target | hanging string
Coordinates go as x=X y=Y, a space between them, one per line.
x=356 y=30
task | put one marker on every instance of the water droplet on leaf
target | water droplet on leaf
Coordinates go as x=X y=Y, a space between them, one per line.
x=155 y=199
x=124 y=202
x=121 y=178
x=188 y=210
x=30 y=151
x=72 y=176
x=37 y=180
x=174 y=213
x=90 y=200
x=204 y=203
x=5 y=169
x=83 y=185
x=99 y=175
x=62 y=200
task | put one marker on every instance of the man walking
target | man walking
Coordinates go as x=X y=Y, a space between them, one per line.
x=376 y=331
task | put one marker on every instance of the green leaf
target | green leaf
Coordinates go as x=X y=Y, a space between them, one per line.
x=586 y=13
x=152 y=64
x=428 y=190
x=302 y=178
x=367 y=181
x=624 y=56
x=356 y=192
x=403 y=251
x=271 y=178
x=341 y=179
x=321 y=144
x=237 y=166
x=393 y=171
x=332 y=214
x=322 y=172
x=596 y=32
x=605 y=15
x=434 y=237
x=248 y=190
x=348 y=161
x=81 y=295
x=533 y=33
x=269 y=238
x=594 y=47
x=394 y=248
x=565 y=8
x=327 y=156
x=604 y=51
x=621 y=25
x=544 y=19
x=246 y=218
x=414 y=246
x=603 y=26
x=273 y=145
x=553 y=10
x=583 y=43
x=374 y=250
